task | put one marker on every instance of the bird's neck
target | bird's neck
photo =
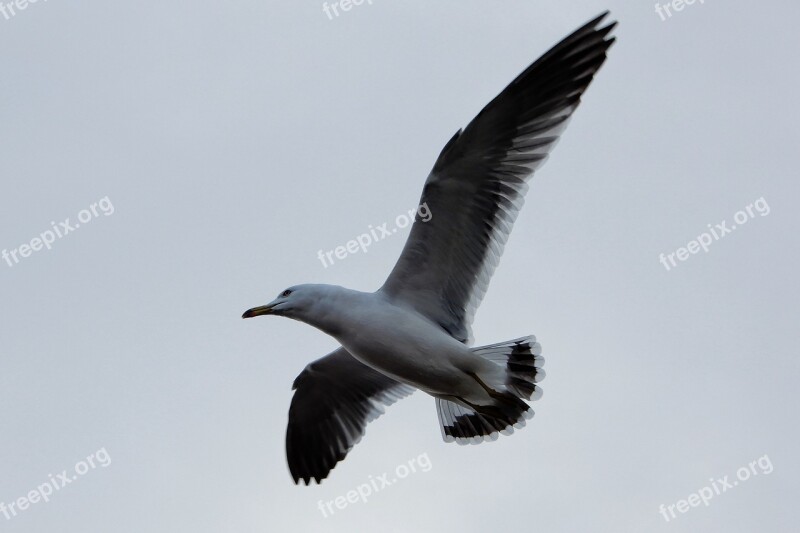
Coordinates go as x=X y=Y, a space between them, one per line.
x=330 y=314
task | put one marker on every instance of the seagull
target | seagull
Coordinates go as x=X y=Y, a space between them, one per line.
x=415 y=331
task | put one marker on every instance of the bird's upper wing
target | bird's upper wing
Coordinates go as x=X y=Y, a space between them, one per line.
x=335 y=397
x=477 y=186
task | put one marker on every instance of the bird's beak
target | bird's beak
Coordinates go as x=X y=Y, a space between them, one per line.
x=258 y=311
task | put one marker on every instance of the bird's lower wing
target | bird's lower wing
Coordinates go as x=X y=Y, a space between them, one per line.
x=335 y=398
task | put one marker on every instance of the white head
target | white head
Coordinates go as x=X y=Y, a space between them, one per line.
x=310 y=303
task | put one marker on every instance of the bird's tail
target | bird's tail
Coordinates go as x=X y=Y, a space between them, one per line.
x=520 y=363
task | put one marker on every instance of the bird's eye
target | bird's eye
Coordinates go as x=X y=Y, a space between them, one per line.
x=286 y=293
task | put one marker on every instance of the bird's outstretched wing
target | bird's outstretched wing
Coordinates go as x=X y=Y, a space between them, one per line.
x=477 y=186
x=335 y=398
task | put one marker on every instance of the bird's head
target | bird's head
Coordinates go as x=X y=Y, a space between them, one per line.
x=316 y=305
x=311 y=303
x=290 y=303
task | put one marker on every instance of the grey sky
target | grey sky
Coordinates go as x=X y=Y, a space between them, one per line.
x=235 y=140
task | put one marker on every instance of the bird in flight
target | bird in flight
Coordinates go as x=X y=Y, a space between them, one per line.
x=415 y=331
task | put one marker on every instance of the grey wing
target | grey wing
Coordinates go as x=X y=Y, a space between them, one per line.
x=335 y=398
x=478 y=184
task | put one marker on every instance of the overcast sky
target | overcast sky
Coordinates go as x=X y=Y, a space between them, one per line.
x=208 y=150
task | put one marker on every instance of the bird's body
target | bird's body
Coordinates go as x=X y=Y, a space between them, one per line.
x=414 y=350
x=414 y=333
